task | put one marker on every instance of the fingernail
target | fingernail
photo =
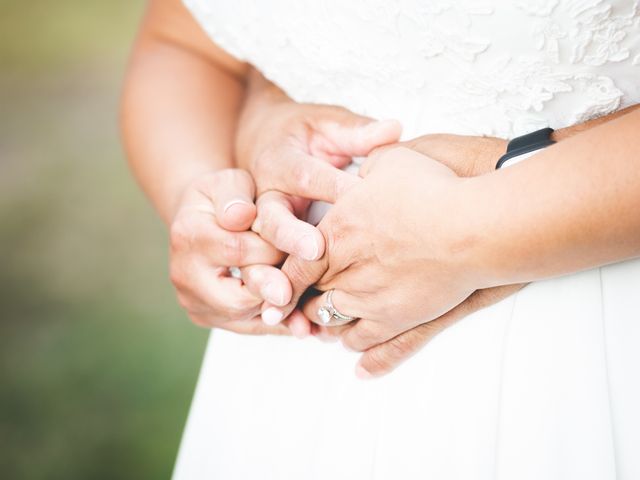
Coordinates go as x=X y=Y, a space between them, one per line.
x=307 y=248
x=272 y=316
x=298 y=330
x=235 y=202
x=362 y=373
x=257 y=225
x=273 y=294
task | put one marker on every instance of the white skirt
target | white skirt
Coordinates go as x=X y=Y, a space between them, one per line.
x=544 y=385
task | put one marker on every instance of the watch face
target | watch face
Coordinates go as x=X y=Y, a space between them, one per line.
x=518 y=158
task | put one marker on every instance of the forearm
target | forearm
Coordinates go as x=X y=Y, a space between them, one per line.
x=260 y=96
x=180 y=106
x=571 y=207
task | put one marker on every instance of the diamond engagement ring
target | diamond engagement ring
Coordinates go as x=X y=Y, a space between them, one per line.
x=329 y=315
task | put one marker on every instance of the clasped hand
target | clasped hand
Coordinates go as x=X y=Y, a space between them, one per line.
x=389 y=246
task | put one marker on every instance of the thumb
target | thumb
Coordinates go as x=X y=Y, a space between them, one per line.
x=232 y=193
x=302 y=274
x=352 y=135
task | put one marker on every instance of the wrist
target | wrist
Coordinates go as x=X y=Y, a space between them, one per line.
x=261 y=91
x=479 y=237
x=468 y=246
x=486 y=159
x=261 y=97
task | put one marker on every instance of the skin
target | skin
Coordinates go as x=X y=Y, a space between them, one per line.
x=466 y=156
x=180 y=108
x=295 y=153
x=187 y=168
x=539 y=219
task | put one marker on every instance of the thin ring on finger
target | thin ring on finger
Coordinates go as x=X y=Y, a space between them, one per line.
x=328 y=314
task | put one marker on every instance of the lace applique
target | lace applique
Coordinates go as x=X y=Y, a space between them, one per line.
x=495 y=67
x=537 y=7
x=598 y=35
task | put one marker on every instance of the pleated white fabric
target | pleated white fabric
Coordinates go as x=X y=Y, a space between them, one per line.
x=543 y=385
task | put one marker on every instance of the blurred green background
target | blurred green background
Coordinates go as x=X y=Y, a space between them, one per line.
x=98 y=364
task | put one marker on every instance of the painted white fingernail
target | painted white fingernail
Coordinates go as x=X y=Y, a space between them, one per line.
x=307 y=248
x=272 y=316
x=273 y=294
x=362 y=373
x=235 y=202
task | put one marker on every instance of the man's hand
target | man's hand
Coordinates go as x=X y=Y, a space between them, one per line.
x=394 y=241
x=467 y=156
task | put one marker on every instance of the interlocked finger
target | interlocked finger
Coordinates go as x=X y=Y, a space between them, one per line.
x=276 y=223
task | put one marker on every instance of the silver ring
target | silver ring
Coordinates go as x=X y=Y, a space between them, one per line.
x=328 y=312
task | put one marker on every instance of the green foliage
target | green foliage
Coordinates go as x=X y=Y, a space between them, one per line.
x=97 y=363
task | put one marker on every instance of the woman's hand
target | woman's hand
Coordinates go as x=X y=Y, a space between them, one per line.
x=393 y=249
x=209 y=234
x=467 y=156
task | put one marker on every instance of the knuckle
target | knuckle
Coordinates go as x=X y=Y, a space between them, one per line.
x=301 y=176
x=402 y=345
x=351 y=344
x=262 y=166
x=204 y=183
x=241 y=309
x=233 y=249
x=235 y=314
x=266 y=217
x=256 y=328
x=180 y=234
x=426 y=331
x=360 y=337
x=296 y=272
x=178 y=276
x=378 y=360
x=184 y=301
x=335 y=232
x=367 y=331
x=201 y=321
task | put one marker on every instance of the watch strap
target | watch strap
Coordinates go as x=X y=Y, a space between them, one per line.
x=527 y=143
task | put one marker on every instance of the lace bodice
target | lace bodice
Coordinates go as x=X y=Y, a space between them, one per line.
x=494 y=67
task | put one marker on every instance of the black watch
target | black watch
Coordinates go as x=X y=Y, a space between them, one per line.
x=525 y=146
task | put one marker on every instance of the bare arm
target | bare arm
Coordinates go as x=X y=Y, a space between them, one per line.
x=572 y=207
x=180 y=105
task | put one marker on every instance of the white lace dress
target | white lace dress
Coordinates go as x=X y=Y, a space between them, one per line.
x=544 y=385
